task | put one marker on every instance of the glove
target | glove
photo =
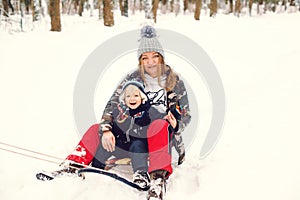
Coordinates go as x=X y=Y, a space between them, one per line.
x=181 y=158
x=179 y=146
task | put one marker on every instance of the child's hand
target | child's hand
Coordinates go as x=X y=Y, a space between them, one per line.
x=108 y=141
x=172 y=120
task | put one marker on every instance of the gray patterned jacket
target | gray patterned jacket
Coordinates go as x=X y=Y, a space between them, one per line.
x=177 y=99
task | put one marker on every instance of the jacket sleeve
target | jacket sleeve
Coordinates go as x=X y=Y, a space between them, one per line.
x=183 y=105
x=106 y=121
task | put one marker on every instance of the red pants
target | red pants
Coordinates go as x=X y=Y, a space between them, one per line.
x=158 y=146
x=87 y=146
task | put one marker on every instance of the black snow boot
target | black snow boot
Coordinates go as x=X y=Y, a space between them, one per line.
x=157 y=185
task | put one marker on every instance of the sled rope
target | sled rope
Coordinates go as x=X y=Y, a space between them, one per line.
x=38 y=155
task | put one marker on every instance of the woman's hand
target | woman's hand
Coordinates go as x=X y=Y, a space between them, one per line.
x=171 y=119
x=108 y=141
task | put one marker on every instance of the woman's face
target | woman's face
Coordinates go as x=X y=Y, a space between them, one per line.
x=150 y=61
x=133 y=100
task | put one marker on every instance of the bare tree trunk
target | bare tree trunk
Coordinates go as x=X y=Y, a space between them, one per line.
x=213 y=8
x=274 y=6
x=164 y=2
x=80 y=10
x=284 y=3
x=177 y=7
x=172 y=6
x=35 y=10
x=154 y=9
x=230 y=6
x=141 y=5
x=132 y=6
x=260 y=2
x=126 y=8
x=27 y=6
x=148 y=8
x=108 y=13
x=54 y=11
x=100 y=9
x=5 y=7
x=123 y=4
x=250 y=7
x=185 y=5
x=76 y=3
x=164 y=6
x=67 y=6
x=292 y=3
x=237 y=9
x=198 y=9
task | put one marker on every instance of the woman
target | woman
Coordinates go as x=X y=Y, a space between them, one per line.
x=167 y=94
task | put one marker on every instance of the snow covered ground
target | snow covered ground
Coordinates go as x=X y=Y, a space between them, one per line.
x=256 y=157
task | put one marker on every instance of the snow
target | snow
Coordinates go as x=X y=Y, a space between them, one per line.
x=256 y=156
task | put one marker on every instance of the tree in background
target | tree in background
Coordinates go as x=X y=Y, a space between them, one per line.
x=108 y=14
x=213 y=8
x=151 y=8
x=99 y=7
x=164 y=6
x=81 y=4
x=54 y=11
x=123 y=4
x=250 y=7
x=5 y=7
x=36 y=10
x=198 y=9
x=185 y=5
x=154 y=9
x=237 y=8
x=147 y=8
x=230 y=6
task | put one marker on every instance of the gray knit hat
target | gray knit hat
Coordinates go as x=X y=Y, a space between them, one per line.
x=149 y=42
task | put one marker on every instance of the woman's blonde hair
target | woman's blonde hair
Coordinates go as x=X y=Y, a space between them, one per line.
x=162 y=69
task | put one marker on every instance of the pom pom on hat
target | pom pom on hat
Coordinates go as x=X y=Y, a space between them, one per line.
x=148 y=32
x=149 y=42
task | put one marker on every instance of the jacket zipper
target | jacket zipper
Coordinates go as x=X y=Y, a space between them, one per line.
x=130 y=127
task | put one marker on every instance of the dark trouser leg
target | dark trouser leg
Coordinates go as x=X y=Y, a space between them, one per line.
x=138 y=152
x=100 y=157
x=121 y=151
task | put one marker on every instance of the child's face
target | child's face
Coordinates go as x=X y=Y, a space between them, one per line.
x=133 y=100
